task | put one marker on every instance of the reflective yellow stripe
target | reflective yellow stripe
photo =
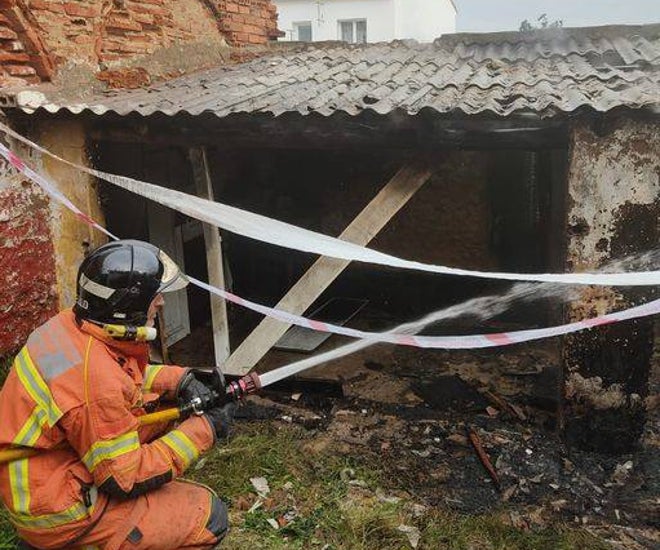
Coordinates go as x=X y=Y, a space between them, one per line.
x=18 y=481
x=150 y=374
x=181 y=444
x=45 y=411
x=31 y=430
x=110 y=448
x=36 y=387
x=74 y=513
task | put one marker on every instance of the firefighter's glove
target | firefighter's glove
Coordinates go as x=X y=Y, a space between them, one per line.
x=190 y=388
x=221 y=419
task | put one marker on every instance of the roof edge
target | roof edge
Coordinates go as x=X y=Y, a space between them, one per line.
x=602 y=31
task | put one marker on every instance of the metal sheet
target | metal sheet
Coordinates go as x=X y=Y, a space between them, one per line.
x=336 y=311
x=544 y=73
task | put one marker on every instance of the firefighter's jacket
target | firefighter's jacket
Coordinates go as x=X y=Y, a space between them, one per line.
x=75 y=394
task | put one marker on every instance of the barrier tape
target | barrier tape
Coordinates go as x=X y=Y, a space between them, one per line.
x=474 y=341
x=282 y=234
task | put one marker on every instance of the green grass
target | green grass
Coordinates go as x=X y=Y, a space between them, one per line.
x=7 y=534
x=333 y=514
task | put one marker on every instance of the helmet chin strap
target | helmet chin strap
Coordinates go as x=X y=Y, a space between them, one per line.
x=130 y=332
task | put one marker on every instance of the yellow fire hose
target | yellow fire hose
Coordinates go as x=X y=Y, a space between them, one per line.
x=166 y=415
x=234 y=391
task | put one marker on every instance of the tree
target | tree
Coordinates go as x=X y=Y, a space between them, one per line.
x=542 y=23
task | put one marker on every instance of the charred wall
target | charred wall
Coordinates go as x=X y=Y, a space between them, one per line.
x=480 y=210
x=614 y=208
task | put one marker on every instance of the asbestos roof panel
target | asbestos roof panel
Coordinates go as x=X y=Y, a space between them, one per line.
x=546 y=73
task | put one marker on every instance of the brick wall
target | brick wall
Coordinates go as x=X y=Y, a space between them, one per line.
x=247 y=22
x=96 y=31
x=36 y=35
x=23 y=56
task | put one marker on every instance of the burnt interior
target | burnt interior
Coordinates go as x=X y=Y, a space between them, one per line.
x=492 y=204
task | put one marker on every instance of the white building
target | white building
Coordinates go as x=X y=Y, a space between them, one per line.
x=359 y=21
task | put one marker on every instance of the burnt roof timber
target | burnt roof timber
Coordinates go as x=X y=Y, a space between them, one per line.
x=336 y=132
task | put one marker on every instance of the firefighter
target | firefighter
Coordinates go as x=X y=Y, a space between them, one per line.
x=75 y=392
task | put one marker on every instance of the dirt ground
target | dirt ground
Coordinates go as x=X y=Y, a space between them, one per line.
x=410 y=412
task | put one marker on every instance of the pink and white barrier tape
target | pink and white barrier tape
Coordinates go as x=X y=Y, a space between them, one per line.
x=473 y=341
x=290 y=236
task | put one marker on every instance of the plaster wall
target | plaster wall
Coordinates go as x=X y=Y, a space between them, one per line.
x=41 y=242
x=71 y=237
x=28 y=293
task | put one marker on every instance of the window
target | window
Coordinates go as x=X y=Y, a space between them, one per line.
x=303 y=31
x=353 y=31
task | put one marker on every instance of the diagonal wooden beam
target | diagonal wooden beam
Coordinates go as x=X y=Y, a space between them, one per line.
x=391 y=198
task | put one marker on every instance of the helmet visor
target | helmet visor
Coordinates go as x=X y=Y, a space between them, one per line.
x=173 y=279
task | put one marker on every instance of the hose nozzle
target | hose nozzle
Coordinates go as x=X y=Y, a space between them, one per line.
x=241 y=388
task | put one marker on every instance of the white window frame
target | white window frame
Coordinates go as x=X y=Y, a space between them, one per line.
x=353 y=23
x=296 y=30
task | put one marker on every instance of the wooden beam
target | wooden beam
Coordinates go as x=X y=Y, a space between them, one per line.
x=428 y=132
x=162 y=336
x=361 y=230
x=213 y=242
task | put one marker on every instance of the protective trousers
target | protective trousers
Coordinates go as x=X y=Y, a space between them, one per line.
x=179 y=515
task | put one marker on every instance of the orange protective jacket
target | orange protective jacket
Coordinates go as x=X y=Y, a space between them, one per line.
x=76 y=394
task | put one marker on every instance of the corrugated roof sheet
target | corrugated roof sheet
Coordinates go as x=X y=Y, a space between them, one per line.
x=545 y=73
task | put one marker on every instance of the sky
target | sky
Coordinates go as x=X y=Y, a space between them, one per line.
x=503 y=15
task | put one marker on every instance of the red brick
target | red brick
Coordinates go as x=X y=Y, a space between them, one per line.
x=13 y=46
x=125 y=78
x=77 y=9
x=252 y=19
x=148 y=27
x=123 y=23
x=254 y=29
x=7 y=34
x=152 y=9
x=240 y=37
x=143 y=18
x=7 y=57
x=47 y=5
x=20 y=70
x=163 y=20
x=254 y=39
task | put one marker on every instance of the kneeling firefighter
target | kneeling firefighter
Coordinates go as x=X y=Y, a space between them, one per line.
x=76 y=391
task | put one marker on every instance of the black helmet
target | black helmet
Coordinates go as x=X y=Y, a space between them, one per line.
x=118 y=281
